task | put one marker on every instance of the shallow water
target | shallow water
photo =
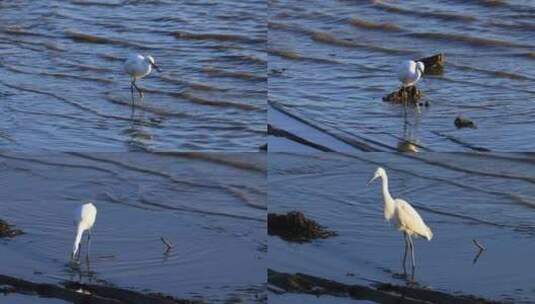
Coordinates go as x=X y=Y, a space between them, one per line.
x=63 y=86
x=331 y=62
x=210 y=206
x=460 y=196
x=23 y=299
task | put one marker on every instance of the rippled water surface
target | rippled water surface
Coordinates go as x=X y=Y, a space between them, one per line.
x=331 y=62
x=461 y=197
x=210 y=206
x=62 y=86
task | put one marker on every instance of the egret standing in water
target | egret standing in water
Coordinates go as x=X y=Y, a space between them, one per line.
x=139 y=66
x=84 y=219
x=410 y=72
x=407 y=220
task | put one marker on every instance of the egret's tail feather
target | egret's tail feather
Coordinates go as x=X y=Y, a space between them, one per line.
x=429 y=234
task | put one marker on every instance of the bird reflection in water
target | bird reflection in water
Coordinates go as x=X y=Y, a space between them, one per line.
x=409 y=141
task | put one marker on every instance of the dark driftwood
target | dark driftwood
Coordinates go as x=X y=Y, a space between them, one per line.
x=295 y=227
x=382 y=293
x=86 y=293
x=464 y=122
x=7 y=230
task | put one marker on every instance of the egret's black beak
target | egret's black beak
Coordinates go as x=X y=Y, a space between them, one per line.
x=157 y=68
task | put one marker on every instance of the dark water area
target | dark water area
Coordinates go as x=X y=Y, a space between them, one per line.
x=211 y=207
x=62 y=84
x=462 y=197
x=331 y=62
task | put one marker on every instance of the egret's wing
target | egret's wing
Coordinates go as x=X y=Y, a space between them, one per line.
x=411 y=220
x=406 y=70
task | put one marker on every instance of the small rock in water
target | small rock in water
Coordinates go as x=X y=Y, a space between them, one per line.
x=407 y=146
x=407 y=94
x=433 y=64
x=463 y=122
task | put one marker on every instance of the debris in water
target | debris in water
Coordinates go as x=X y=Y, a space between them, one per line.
x=167 y=243
x=463 y=122
x=478 y=245
x=7 y=230
x=480 y=251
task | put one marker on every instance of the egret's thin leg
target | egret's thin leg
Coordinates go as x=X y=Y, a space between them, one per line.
x=405 y=255
x=132 y=91
x=412 y=254
x=88 y=243
x=138 y=89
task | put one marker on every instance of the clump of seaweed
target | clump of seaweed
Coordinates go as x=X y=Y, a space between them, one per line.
x=295 y=227
x=404 y=95
x=8 y=231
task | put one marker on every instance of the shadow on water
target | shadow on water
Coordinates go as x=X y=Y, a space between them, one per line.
x=410 y=142
x=138 y=132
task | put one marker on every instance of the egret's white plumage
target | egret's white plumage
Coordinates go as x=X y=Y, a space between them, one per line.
x=404 y=216
x=84 y=219
x=139 y=66
x=410 y=72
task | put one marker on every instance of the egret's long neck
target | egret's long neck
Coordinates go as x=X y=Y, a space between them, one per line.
x=79 y=232
x=389 y=201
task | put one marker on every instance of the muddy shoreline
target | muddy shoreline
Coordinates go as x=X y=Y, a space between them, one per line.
x=75 y=292
x=380 y=292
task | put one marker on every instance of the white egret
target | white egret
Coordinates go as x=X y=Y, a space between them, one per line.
x=410 y=72
x=84 y=219
x=406 y=218
x=139 y=66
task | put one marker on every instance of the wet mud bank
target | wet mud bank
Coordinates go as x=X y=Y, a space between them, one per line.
x=74 y=292
x=295 y=227
x=381 y=293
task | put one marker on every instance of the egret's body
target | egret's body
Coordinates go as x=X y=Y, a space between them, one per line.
x=139 y=66
x=410 y=72
x=404 y=217
x=84 y=219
